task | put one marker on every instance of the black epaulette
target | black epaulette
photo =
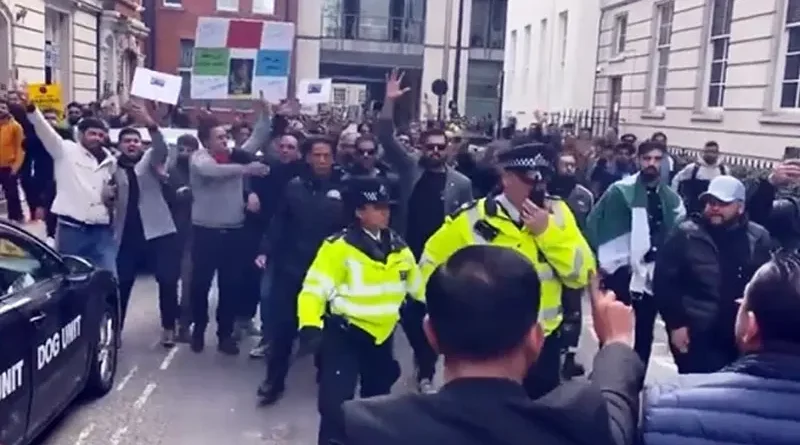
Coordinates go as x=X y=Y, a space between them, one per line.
x=337 y=235
x=463 y=208
x=396 y=241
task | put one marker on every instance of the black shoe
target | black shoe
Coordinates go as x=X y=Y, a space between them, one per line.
x=571 y=368
x=198 y=342
x=269 y=394
x=228 y=346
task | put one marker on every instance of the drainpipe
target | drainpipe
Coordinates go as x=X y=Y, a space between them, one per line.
x=98 y=54
x=597 y=60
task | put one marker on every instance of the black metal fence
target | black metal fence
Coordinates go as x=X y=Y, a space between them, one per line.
x=599 y=121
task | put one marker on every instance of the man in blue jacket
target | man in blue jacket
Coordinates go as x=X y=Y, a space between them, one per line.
x=755 y=399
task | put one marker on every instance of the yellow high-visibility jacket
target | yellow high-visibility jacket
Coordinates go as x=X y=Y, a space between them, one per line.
x=351 y=277
x=561 y=255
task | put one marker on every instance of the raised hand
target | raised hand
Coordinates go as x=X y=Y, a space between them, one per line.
x=394 y=81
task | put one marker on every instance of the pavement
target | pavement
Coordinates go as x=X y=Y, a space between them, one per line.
x=176 y=397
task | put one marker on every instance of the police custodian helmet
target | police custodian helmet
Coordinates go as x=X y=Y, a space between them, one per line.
x=363 y=191
x=532 y=159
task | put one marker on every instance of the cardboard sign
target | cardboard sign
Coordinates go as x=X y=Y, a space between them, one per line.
x=47 y=97
x=156 y=86
x=314 y=91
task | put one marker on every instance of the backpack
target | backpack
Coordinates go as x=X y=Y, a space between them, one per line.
x=722 y=171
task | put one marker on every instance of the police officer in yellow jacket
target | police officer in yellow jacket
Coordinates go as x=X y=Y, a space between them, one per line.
x=541 y=227
x=349 y=305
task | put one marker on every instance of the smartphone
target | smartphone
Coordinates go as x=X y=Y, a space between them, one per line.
x=537 y=197
x=791 y=153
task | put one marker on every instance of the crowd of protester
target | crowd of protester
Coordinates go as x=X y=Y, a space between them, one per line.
x=498 y=244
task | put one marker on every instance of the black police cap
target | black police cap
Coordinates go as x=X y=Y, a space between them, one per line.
x=364 y=191
x=528 y=157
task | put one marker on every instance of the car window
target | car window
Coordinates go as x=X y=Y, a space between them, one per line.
x=22 y=264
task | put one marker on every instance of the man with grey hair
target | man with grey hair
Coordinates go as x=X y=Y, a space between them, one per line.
x=700 y=273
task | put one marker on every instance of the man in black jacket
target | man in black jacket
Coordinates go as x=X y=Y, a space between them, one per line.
x=310 y=210
x=701 y=272
x=482 y=316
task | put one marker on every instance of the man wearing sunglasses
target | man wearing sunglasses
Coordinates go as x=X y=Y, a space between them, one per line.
x=525 y=218
x=429 y=189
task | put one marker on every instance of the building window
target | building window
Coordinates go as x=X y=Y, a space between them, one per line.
x=339 y=96
x=563 y=23
x=526 y=58
x=173 y=2
x=619 y=34
x=186 y=63
x=663 y=43
x=541 y=68
x=227 y=5
x=512 y=63
x=722 y=15
x=791 y=71
x=266 y=7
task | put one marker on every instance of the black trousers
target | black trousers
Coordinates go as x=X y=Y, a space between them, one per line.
x=545 y=375
x=571 y=300
x=215 y=251
x=133 y=254
x=250 y=293
x=708 y=352
x=50 y=218
x=282 y=327
x=424 y=356
x=8 y=182
x=347 y=354
x=644 y=310
x=33 y=189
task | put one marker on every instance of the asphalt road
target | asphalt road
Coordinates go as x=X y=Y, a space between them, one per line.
x=178 y=397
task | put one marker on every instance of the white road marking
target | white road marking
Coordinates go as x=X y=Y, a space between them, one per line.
x=127 y=378
x=139 y=403
x=168 y=359
x=84 y=434
x=116 y=438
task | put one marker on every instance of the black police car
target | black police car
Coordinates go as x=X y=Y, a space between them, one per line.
x=58 y=333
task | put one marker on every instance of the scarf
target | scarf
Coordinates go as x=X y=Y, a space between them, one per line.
x=617 y=227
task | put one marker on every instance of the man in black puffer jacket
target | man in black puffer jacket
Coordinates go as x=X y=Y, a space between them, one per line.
x=701 y=272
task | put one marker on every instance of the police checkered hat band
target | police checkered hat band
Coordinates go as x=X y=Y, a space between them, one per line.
x=531 y=156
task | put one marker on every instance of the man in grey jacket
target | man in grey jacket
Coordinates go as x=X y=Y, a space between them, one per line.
x=142 y=222
x=217 y=176
x=434 y=190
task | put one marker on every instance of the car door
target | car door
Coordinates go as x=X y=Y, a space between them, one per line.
x=16 y=390
x=53 y=315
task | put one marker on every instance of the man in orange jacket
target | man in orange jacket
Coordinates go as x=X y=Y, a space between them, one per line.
x=11 y=157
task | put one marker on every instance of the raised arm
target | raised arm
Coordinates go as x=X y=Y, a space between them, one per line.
x=395 y=153
x=51 y=140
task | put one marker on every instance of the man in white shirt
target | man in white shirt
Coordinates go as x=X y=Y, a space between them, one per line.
x=84 y=188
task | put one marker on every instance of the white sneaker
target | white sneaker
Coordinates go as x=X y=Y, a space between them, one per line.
x=51 y=242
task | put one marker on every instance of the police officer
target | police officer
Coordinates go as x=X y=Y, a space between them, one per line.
x=541 y=227
x=349 y=305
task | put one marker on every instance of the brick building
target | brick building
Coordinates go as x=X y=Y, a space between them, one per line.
x=173 y=24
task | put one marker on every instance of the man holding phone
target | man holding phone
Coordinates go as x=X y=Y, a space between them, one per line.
x=525 y=218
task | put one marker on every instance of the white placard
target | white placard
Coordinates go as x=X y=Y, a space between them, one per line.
x=314 y=91
x=212 y=32
x=156 y=86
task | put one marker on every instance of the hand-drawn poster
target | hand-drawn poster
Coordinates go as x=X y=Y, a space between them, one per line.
x=235 y=59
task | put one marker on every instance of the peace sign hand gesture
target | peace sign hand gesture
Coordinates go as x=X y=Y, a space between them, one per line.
x=394 y=89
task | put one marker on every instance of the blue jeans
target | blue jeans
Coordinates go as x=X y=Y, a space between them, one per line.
x=94 y=243
x=266 y=286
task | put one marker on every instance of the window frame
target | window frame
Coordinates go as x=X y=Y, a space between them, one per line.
x=527 y=48
x=228 y=8
x=619 y=34
x=712 y=59
x=172 y=3
x=783 y=55
x=661 y=48
x=185 y=70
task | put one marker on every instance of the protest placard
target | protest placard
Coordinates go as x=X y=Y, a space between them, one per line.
x=156 y=86
x=46 y=97
x=235 y=59
x=314 y=91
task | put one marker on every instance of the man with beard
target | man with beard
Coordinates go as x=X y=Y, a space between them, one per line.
x=433 y=190
x=84 y=187
x=12 y=157
x=702 y=271
x=627 y=227
x=74 y=114
x=143 y=224
x=580 y=201
x=693 y=180
x=367 y=165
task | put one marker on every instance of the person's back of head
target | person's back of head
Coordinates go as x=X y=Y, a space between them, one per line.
x=483 y=305
x=768 y=315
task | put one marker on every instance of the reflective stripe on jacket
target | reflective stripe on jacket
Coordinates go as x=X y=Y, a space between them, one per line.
x=350 y=283
x=560 y=254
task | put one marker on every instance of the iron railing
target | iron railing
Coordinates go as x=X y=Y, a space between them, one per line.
x=373 y=28
x=599 y=121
